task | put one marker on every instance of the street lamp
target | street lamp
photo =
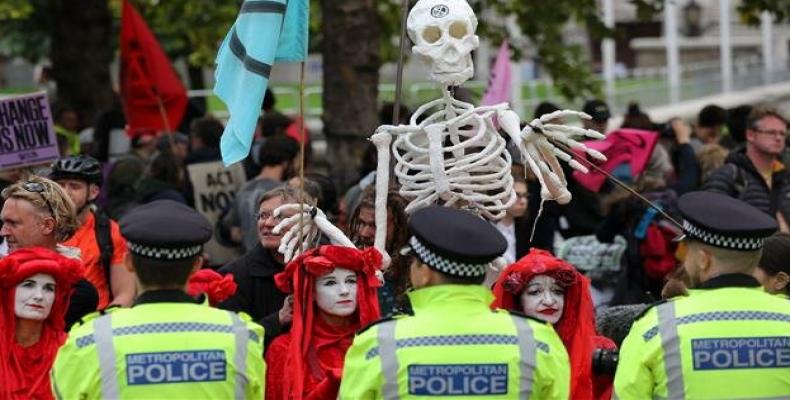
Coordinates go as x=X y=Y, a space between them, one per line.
x=692 y=15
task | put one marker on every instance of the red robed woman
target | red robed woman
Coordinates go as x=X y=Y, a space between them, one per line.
x=334 y=295
x=550 y=289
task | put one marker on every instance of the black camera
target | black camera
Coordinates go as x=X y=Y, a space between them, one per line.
x=604 y=362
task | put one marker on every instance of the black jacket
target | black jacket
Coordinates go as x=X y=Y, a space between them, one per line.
x=739 y=178
x=257 y=295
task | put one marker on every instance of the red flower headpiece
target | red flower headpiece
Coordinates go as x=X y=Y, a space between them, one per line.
x=217 y=288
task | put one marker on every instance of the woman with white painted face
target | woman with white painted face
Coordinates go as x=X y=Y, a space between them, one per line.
x=35 y=284
x=547 y=288
x=334 y=294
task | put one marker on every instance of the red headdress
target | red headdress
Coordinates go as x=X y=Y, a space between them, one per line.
x=308 y=334
x=24 y=372
x=216 y=287
x=576 y=327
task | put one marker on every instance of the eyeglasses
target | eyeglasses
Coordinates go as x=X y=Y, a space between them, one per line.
x=264 y=215
x=38 y=187
x=772 y=132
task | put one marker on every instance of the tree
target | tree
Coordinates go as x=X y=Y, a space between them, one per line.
x=81 y=53
x=351 y=77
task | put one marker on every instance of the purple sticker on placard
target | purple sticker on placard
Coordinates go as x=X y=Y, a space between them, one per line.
x=27 y=135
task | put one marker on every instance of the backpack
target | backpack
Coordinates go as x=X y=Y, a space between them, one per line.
x=104 y=240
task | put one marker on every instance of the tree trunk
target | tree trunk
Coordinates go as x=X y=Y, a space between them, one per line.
x=81 y=52
x=351 y=61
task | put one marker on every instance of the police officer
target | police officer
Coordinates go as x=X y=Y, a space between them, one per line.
x=454 y=345
x=728 y=339
x=166 y=345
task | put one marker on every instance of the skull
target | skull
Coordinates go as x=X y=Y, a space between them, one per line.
x=444 y=35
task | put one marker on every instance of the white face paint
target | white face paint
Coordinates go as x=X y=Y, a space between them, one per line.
x=336 y=292
x=543 y=298
x=34 y=297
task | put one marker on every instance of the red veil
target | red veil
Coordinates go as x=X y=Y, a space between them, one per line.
x=576 y=327
x=24 y=371
x=317 y=349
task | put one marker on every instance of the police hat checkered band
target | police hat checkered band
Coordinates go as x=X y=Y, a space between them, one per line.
x=442 y=264
x=727 y=242
x=175 y=253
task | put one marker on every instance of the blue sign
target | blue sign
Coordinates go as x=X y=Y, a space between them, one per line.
x=175 y=367
x=742 y=352
x=457 y=379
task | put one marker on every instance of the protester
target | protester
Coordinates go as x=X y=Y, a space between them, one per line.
x=38 y=213
x=124 y=353
x=254 y=271
x=551 y=290
x=513 y=226
x=278 y=160
x=102 y=248
x=635 y=118
x=164 y=180
x=334 y=291
x=126 y=172
x=711 y=158
x=452 y=328
x=67 y=126
x=362 y=231
x=176 y=144
x=755 y=173
x=696 y=346
x=711 y=122
x=773 y=270
x=35 y=284
x=204 y=137
x=599 y=111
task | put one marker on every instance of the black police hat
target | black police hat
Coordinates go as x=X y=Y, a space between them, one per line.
x=165 y=230
x=454 y=242
x=724 y=222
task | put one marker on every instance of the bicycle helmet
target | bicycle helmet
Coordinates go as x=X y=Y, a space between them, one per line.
x=80 y=167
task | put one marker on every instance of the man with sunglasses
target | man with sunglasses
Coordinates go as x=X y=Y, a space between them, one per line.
x=755 y=173
x=38 y=213
x=98 y=237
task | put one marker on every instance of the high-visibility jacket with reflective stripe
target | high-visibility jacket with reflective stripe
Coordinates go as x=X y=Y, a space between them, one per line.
x=454 y=346
x=726 y=343
x=163 y=351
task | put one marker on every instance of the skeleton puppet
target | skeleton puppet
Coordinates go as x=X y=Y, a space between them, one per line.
x=454 y=155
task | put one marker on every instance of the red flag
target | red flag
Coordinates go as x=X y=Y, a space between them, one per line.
x=153 y=96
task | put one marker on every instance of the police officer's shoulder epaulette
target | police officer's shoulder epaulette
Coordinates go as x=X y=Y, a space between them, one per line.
x=96 y=314
x=380 y=321
x=522 y=315
x=650 y=307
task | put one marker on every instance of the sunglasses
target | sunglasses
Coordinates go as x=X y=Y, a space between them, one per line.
x=38 y=187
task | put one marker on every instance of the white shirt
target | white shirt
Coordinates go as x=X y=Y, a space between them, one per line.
x=509 y=232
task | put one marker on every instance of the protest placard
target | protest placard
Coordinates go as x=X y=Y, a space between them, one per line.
x=27 y=136
x=215 y=187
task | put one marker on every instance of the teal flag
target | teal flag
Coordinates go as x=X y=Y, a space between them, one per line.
x=265 y=32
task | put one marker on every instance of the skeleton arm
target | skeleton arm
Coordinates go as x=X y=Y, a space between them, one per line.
x=313 y=221
x=540 y=154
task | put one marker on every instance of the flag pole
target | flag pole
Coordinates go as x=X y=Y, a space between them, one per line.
x=163 y=113
x=399 y=74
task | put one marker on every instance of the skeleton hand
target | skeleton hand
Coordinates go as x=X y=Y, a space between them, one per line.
x=538 y=144
x=313 y=221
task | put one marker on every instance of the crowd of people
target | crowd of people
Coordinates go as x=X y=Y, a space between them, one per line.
x=106 y=290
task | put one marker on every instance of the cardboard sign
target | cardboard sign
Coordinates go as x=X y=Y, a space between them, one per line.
x=27 y=135
x=215 y=188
